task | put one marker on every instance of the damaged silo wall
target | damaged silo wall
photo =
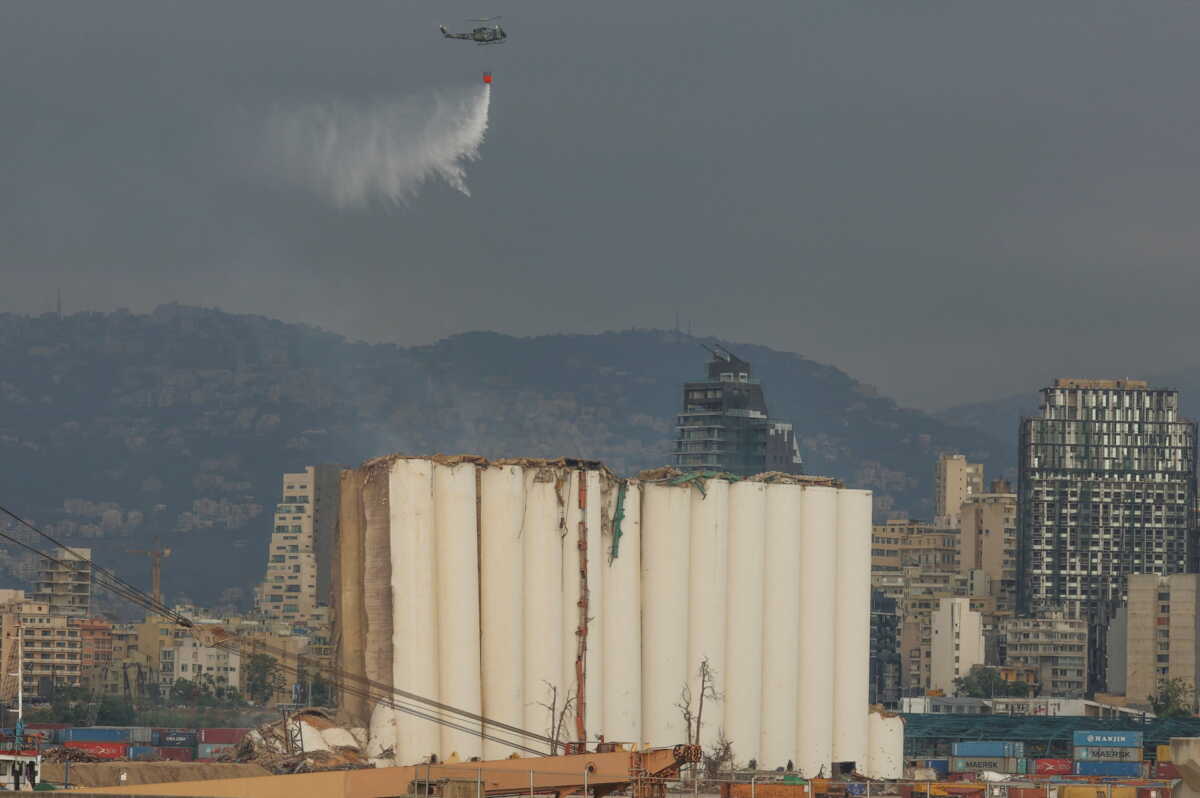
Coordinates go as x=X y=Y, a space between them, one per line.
x=377 y=572
x=349 y=610
x=508 y=588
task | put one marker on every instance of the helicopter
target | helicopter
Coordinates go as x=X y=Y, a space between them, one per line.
x=484 y=34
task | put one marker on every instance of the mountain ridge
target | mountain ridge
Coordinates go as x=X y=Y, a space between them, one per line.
x=178 y=424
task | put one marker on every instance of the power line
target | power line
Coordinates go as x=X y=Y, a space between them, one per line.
x=371 y=690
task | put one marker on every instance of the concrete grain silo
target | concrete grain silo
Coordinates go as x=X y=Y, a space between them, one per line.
x=509 y=588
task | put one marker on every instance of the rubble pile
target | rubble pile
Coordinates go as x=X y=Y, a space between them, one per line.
x=72 y=755
x=314 y=743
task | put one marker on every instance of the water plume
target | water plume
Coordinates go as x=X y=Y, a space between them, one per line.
x=354 y=155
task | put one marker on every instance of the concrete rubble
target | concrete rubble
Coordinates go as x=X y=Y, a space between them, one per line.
x=322 y=745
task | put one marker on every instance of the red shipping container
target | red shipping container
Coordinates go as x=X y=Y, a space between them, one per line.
x=222 y=736
x=177 y=754
x=102 y=750
x=1053 y=767
x=1166 y=770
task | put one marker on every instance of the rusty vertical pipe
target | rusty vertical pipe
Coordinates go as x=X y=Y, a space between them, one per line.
x=581 y=631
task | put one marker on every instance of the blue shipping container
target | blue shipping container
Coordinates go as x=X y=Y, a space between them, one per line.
x=1108 y=739
x=96 y=734
x=143 y=752
x=940 y=766
x=989 y=748
x=168 y=738
x=1121 y=770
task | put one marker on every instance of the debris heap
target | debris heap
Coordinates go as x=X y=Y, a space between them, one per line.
x=306 y=741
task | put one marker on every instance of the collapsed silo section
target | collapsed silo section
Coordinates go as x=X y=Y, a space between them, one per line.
x=816 y=577
x=622 y=608
x=501 y=606
x=744 y=619
x=852 y=630
x=349 y=611
x=885 y=746
x=781 y=624
x=377 y=595
x=707 y=578
x=666 y=533
x=457 y=533
x=415 y=633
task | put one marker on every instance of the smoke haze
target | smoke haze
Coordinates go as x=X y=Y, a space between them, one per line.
x=354 y=155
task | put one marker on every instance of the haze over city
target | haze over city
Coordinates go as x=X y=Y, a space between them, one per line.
x=949 y=202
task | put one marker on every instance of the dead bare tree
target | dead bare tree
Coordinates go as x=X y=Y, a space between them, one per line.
x=558 y=716
x=694 y=720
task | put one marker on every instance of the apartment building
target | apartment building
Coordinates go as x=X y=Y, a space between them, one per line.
x=64 y=583
x=1162 y=635
x=1055 y=646
x=988 y=542
x=954 y=482
x=46 y=646
x=957 y=643
x=297 y=580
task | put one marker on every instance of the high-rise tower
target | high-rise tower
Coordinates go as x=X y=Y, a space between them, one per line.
x=1107 y=487
x=724 y=424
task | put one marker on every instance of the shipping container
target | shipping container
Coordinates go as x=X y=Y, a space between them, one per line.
x=104 y=750
x=177 y=754
x=1154 y=791
x=1163 y=753
x=1053 y=767
x=1124 y=770
x=141 y=735
x=1166 y=770
x=764 y=790
x=143 y=752
x=222 y=736
x=207 y=751
x=96 y=734
x=989 y=748
x=1108 y=739
x=940 y=766
x=973 y=764
x=175 y=738
x=1108 y=754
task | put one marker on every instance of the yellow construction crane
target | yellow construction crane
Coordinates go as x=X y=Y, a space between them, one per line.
x=156 y=555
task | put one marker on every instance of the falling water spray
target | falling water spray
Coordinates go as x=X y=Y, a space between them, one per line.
x=386 y=151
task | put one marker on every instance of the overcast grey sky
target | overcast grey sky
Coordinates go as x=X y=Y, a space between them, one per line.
x=949 y=200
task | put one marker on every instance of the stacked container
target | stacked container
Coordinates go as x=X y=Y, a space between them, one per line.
x=998 y=756
x=175 y=738
x=177 y=754
x=145 y=752
x=103 y=750
x=1108 y=753
x=206 y=752
x=1053 y=767
x=96 y=734
x=222 y=736
x=989 y=748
